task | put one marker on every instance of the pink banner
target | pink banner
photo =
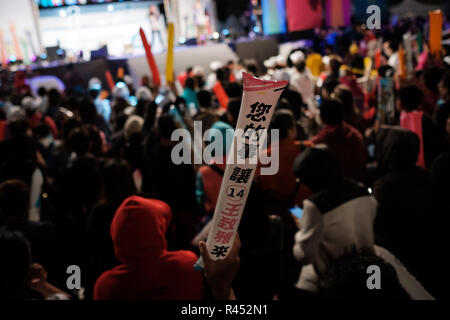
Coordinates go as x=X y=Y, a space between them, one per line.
x=303 y=14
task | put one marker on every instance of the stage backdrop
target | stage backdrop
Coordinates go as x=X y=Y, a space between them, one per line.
x=90 y=27
x=274 y=16
x=19 y=29
x=338 y=13
x=303 y=14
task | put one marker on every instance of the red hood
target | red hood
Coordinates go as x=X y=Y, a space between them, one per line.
x=138 y=229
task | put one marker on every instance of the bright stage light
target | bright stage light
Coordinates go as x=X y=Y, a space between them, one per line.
x=110 y=8
x=182 y=40
x=226 y=32
x=12 y=59
x=216 y=35
x=62 y=13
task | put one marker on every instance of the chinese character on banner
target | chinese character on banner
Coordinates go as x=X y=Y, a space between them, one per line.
x=231 y=209
x=223 y=237
x=219 y=251
x=227 y=223
x=250 y=130
x=258 y=112
x=240 y=175
x=247 y=151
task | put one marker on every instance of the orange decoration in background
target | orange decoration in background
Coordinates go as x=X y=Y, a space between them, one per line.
x=110 y=80
x=436 y=32
x=120 y=73
x=401 y=63
x=17 y=49
x=2 y=50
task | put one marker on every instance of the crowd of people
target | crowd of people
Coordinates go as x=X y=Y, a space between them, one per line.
x=87 y=180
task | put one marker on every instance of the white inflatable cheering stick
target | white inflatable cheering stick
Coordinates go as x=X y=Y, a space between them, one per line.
x=259 y=100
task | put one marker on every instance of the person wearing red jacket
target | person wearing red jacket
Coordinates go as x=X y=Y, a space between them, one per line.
x=343 y=139
x=148 y=271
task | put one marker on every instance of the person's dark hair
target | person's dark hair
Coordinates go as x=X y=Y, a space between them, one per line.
x=396 y=150
x=204 y=99
x=2 y=114
x=79 y=140
x=234 y=90
x=346 y=278
x=14 y=201
x=166 y=125
x=393 y=45
x=332 y=112
x=41 y=130
x=293 y=101
x=94 y=93
x=283 y=120
x=223 y=74
x=301 y=66
x=432 y=77
x=318 y=169
x=14 y=269
x=42 y=91
x=118 y=107
x=330 y=84
x=345 y=95
x=88 y=112
x=54 y=97
x=67 y=126
x=142 y=107
x=119 y=122
x=335 y=66
x=18 y=128
x=199 y=81
x=118 y=181
x=252 y=68
x=95 y=140
x=410 y=97
x=189 y=83
x=233 y=109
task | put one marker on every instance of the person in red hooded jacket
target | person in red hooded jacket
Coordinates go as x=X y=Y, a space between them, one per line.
x=148 y=271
